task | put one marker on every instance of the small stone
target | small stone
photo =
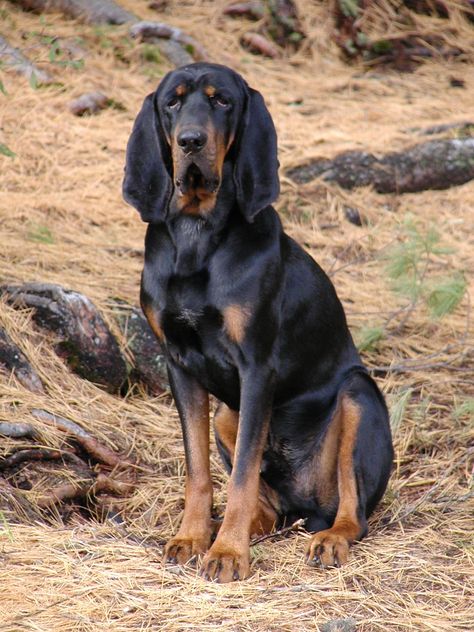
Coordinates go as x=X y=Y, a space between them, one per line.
x=353 y=216
x=454 y=82
x=89 y=103
x=339 y=625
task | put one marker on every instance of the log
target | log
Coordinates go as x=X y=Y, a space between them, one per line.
x=106 y=12
x=13 y=58
x=13 y=360
x=147 y=31
x=149 y=366
x=437 y=164
x=86 y=342
x=89 y=11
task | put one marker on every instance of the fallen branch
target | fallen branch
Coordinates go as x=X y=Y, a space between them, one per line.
x=101 y=453
x=87 y=344
x=34 y=454
x=437 y=164
x=66 y=491
x=80 y=489
x=13 y=58
x=13 y=360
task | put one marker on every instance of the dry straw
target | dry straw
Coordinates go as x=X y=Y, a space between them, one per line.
x=62 y=220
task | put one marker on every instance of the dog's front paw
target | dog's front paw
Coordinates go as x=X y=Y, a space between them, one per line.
x=224 y=564
x=180 y=549
x=327 y=549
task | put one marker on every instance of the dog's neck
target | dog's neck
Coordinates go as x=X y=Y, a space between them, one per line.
x=195 y=236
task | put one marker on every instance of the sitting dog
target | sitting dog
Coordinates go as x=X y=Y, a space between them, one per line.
x=243 y=313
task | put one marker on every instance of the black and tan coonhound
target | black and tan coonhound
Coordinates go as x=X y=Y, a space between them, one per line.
x=244 y=314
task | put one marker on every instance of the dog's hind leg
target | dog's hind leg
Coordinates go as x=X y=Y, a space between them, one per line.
x=360 y=435
x=226 y=422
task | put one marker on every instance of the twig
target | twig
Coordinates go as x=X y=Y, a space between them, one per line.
x=408 y=368
x=275 y=534
x=454 y=499
x=88 y=442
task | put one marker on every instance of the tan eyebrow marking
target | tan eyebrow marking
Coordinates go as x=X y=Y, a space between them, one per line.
x=210 y=91
x=180 y=90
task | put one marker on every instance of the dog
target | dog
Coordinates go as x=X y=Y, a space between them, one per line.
x=243 y=313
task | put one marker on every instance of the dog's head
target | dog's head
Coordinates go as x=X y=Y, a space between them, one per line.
x=200 y=116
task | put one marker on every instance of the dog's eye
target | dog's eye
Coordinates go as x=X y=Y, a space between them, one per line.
x=220 y=101
x=173 y=103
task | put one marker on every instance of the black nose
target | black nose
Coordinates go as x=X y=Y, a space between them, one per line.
x=192 y=140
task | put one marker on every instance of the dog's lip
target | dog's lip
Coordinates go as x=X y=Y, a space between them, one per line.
x=208 y=182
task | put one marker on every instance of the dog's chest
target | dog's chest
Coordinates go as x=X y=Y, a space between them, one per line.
x=188 y=317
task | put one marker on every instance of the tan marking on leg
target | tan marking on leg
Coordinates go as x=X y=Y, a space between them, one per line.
x=236 y=318
x=194 y=534
x=331 y=546
x=326 y=468
x=265 y=516
x=318 y=475
x=229 y=557
x=226 y=422
x=153 y=318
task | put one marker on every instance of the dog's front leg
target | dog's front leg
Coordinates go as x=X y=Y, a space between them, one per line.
x=229 y=557
x=194 y=535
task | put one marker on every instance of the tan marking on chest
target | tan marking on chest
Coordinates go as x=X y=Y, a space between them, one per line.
x=236 y=319
x=153 y=318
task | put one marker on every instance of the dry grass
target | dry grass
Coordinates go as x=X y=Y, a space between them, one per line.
x=62 y=220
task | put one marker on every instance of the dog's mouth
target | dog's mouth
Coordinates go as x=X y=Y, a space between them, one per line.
x=194 y=178
x=196 y=187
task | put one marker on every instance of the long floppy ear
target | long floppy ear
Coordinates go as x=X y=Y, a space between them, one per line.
x=147 y=184
x=256 y=163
